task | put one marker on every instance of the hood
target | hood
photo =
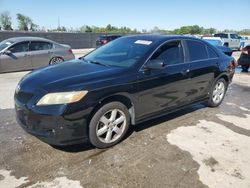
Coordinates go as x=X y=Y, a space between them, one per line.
x=67 y=76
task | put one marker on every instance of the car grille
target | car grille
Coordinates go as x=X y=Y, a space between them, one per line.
x=23 y=97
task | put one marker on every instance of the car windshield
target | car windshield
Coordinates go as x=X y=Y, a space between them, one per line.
x=4 y=44
x=214 y=42
x=123 y=52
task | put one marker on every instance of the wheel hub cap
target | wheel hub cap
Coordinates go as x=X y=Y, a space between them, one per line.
x=111 y=126
x=218 y=92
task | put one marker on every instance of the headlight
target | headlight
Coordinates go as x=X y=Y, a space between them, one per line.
x=61 y=98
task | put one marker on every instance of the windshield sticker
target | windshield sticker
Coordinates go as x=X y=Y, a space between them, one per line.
x=8 y=43
x=144 y=42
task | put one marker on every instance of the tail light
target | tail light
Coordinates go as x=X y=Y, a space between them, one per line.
x=70 y=51
x=244 y=51
x=232 y=65
x=104 y=41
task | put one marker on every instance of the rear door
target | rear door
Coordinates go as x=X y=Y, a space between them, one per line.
x=166 y=88
x=236 y=40
x=18 y=59
x=41 y=53
x=203 y=65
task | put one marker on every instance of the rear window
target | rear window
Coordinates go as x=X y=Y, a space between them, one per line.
x=213 y=42
x=197 y=50
x=234 y=36
x=211 y=53
x=221 y=35
x=38 y=45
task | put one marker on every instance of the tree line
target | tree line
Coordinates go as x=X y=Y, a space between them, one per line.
x=25 y=23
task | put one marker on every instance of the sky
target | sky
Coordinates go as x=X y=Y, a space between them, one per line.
x=139 y=14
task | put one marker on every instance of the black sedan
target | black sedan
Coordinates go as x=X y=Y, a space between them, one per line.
x=244 y=60
x=128 y=81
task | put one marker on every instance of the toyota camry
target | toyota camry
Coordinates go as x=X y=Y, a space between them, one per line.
x=125 y=82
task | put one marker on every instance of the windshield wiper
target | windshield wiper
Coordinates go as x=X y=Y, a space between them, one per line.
x=97 y=63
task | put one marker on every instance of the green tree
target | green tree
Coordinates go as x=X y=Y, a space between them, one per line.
x=88 y=29
x=25 y=23
x=5 y=21
x=33 y=27
x=61 y=29
x=212 y=30
x=195 y=29
x=184 y=30
x=109 y=27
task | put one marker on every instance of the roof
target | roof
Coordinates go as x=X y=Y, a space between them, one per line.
x=21 y=39
x=160 y=37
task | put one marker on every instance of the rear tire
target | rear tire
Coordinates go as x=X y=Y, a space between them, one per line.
x=109 y=125
x=217 y=93
x=56 y=60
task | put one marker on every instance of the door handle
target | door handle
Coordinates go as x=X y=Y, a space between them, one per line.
x=49 y=52
x=185 y=72
x=26 y=55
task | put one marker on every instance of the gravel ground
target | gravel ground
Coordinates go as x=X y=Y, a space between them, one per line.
x=195 y=147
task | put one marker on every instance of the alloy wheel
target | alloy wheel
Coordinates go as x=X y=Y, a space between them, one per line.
x=218 y=92
x=111 y=126
x=56 y=60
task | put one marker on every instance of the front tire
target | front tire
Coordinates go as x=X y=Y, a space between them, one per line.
x=217 y=93
x=109 y=125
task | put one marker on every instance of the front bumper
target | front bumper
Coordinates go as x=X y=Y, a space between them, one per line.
x=53 y=128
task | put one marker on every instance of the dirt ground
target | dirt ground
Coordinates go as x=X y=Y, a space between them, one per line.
x=196 y=147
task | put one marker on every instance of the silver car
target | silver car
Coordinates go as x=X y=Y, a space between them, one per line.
x=26 y=53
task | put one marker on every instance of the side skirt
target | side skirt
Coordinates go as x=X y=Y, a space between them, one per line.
x=169 y=111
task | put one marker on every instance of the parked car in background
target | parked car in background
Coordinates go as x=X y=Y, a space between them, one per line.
x=230 y=40
x=127 y=81
x=26 y=53
x=244 y=60
x=218 y=43
x=104 y=39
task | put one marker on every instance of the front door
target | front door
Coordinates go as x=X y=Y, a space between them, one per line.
x=18 y=59
x=162 y=89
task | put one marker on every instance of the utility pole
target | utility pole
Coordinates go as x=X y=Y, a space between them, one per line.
x=58 y=23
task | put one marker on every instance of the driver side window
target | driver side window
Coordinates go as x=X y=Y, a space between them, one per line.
x=171 y=53
x=20 y=47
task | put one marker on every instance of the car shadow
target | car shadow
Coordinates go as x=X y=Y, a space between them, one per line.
x=153 y=122
x=75 y=148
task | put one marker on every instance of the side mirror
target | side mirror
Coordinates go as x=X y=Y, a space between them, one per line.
x=7 y=52
x=155 y=64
